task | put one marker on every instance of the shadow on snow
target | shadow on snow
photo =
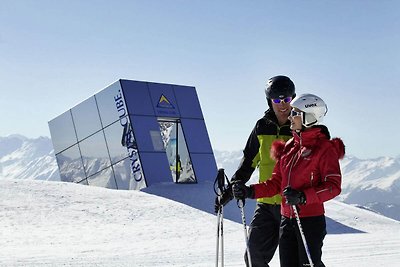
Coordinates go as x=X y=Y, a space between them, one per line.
x=201 y=196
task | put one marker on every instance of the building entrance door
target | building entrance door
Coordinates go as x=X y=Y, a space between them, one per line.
x=176 y=150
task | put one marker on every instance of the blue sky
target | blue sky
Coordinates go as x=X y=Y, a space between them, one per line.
x=54 y=54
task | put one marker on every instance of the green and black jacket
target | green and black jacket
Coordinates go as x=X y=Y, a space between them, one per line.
x=257 y=151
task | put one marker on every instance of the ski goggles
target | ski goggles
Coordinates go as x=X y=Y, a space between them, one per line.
x=280 y=100
x=294 y=113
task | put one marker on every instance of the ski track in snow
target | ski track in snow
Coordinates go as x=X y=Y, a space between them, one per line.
x=62 y=224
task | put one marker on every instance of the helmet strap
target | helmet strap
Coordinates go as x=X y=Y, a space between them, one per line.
x=304 y=121
x=269 y=103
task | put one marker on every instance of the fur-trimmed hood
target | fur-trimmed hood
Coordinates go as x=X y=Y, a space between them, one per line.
x=279 y=147
x=339 y=146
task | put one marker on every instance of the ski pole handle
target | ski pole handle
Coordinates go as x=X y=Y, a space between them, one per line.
x=241 y=203
x=221 y=179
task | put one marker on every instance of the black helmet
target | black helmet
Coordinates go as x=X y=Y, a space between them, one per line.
x=279 y=87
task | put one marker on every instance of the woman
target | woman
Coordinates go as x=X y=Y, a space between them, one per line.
x=306 y=173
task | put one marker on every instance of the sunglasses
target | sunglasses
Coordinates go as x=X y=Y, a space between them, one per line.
x=284 y=100
x=294 y=113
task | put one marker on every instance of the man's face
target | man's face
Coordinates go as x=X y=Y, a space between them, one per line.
x=281 y=106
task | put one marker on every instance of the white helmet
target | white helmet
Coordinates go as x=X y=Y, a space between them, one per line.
x=313 y=107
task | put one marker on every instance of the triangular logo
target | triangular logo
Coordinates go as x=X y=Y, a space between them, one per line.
x=163 y=102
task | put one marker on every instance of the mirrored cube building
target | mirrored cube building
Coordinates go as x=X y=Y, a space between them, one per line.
x=133 y=134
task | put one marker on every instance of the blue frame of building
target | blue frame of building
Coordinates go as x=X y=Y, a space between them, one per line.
x=113 y=139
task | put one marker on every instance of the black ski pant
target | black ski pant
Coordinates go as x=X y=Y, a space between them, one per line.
x=264 y=234
x=291 y=248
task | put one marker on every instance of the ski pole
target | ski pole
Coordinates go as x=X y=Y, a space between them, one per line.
x=220 y=181
x=303 y=236
x=217 y=247
x=241 y=204
x=220 y=234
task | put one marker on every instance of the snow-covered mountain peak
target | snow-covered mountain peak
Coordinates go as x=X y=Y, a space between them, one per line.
x=24 y=158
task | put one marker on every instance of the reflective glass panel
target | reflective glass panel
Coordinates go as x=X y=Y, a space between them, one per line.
x=94 y=153
x=156 y=140
x=123 y=171
x=177 y=152
x=186 y=174
x=70 y=165
x=115 y=133
x=62 y=132
x=111 y=104
x=86 y=118
x=104 y=178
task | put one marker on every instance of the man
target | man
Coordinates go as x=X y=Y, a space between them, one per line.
x=264 y=228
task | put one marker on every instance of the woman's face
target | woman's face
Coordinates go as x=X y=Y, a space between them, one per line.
x=295 y=119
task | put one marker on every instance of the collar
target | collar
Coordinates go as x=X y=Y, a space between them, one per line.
x=309 y=136
x=270 y=116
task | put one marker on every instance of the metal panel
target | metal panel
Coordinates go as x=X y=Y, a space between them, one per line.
x=204 y=166
x=137 y=97
x=70 y=165
x=94 y=153
x=114 y=134
x=111 y=104
x=147 y=133
x=188 y=102
x=86 y=118
x=104 y=178
x=124 y=177
x=156 y=168
x=62 y=132
x=196 y=136
x=163 y=99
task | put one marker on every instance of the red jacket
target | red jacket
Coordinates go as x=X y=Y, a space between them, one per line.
x=308 y=162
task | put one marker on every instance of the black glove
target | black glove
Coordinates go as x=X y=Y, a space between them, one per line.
x=225 y=198
x=242 y=191
x=294 y=197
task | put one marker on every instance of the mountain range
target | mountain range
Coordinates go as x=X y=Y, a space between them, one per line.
x=372 y=184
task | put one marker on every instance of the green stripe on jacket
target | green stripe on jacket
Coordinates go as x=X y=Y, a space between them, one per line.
x=266 y=164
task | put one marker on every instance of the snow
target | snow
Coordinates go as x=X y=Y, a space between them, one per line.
x=64 y=224
x=372 y=183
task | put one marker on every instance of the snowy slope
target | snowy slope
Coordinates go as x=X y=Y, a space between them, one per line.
x=371 y=183
x=64 y=224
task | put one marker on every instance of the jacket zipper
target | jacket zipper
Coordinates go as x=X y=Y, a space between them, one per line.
x=278 y=129
x=312 y=178
x=294 y=161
